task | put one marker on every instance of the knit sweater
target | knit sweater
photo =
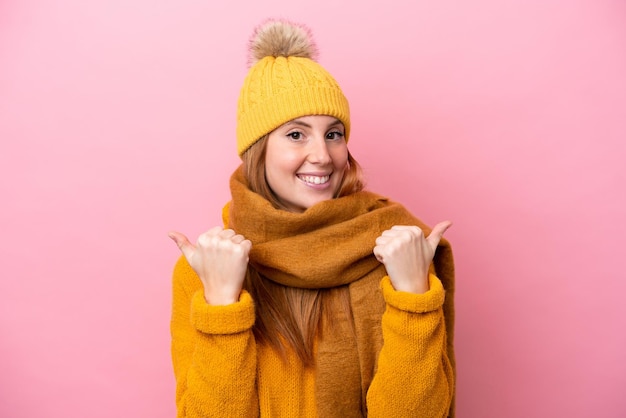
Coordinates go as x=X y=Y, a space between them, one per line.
x=221 y=371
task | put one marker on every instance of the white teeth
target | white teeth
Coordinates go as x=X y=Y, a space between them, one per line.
x=315 y=179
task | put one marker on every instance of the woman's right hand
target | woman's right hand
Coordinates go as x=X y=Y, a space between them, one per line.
x=220 y=259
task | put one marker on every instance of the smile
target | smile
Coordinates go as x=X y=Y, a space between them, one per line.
x=314 y=179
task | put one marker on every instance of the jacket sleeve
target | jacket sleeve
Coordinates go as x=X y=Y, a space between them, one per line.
x=213 y=351
x=414 y=377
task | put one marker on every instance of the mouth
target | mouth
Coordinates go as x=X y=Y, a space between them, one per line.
x=316 y=180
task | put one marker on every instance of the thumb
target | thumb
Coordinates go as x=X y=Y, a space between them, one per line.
x=183 y=243
x=435 y=235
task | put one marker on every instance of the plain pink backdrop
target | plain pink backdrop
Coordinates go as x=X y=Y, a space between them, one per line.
x=117 y=124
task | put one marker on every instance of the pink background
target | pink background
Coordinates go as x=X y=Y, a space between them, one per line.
x=117 y=124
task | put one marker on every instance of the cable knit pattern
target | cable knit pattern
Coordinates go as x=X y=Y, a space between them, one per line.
x=279 y=89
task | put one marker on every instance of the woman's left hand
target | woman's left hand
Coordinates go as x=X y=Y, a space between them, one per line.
x=407 y=255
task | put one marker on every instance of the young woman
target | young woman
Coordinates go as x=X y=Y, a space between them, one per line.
x=316 y=298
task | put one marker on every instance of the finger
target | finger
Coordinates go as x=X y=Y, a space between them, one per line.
x=437 y=233
x=382 y=240
x=205 y=239
x=247 y=244
x=402 y=227
x=388 y=234
x=378 y=253
x=216 y=230
x=414 y=230
x=183 y=243
x=393 y=232
x=227 y=233
x=238 y=239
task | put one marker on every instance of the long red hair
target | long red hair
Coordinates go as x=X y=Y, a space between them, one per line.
x=288 y=316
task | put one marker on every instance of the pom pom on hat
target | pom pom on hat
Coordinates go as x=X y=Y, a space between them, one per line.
x=281 y=38
x=284 y=83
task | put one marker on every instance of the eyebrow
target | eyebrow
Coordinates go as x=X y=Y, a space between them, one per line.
x=306 y=125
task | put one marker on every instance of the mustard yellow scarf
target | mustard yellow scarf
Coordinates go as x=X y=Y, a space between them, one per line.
x=330 y=245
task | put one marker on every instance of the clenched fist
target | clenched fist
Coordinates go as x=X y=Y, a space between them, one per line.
x=220 y=259
x=407 y=255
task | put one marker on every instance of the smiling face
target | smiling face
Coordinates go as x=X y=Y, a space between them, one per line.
x=305 y=161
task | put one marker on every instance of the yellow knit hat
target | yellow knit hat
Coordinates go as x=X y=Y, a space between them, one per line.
x=284 y=83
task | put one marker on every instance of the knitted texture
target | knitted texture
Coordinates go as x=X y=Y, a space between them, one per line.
x=281 y=88
x=228 y=375
x=398 y=361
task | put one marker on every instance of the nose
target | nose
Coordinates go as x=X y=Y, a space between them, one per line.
x=318 y=151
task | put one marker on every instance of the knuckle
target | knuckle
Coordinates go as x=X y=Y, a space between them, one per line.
x=223 y=244
x=204 y=240
x=414 y=233
x=227 y=233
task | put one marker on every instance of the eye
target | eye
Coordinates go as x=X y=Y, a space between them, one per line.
x=295 y=135
x=334 y=135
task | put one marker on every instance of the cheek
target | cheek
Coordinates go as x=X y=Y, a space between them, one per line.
x=281 y=163
x=340 y=157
